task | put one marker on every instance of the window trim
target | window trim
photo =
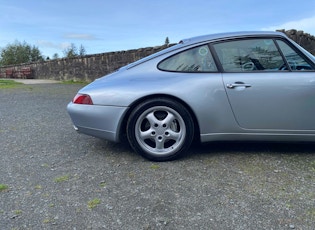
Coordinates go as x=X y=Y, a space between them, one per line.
x=294 y=48
x=274 y=38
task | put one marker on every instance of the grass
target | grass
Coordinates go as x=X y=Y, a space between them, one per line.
x=3 y=187
x=38 y=187
x=48 y=220
x=61 y=178
x=75 y=82
x=18 y=212
x=154 y=166
x=93 y=203
x=103 y=184
x=8 y=84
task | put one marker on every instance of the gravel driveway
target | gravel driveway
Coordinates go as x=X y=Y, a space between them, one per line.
x=58 y=179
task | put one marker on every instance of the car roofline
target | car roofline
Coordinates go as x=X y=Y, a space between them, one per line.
x=204 y=38
x=229 y=35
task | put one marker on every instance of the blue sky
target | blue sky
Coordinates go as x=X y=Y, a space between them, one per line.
x=114 y=25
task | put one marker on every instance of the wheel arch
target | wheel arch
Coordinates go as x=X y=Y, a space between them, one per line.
x=123 y=126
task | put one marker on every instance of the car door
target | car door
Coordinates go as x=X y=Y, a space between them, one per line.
x=267 y=91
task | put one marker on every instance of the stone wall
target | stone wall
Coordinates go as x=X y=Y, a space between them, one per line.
x=305 y=40
x=85 y=68
x=90 y=67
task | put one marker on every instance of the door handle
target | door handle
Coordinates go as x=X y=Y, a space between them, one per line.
x=238 y=84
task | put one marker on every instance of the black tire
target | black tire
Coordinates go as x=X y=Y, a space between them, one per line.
x=160 y=129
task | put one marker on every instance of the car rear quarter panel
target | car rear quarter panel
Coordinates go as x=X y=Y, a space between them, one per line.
x=203 y=93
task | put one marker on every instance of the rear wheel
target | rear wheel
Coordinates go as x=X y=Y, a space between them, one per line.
x=160 y=129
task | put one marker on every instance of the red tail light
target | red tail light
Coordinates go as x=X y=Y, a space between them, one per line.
x=82 y=99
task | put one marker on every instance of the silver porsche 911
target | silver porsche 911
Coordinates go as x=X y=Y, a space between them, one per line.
x=232 y=86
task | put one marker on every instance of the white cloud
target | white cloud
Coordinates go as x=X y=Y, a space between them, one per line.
x=80 y=36
x=306 y=24
x=49 y=44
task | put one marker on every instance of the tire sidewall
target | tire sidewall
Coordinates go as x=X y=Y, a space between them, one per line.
x=144 y=106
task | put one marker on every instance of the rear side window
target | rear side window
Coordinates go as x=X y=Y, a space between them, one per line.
x=294 y=60
x=198 y=59
x=249 y=55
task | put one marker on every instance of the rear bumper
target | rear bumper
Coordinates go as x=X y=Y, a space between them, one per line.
x=98 y=121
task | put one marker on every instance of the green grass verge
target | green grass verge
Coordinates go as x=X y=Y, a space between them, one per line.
x=75 y=82
x=8 y=84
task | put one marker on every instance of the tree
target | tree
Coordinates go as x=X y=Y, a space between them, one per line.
x=35 y=55
x=55 y=56
x=18 y=53
x=72 y=51
x=82 y=50
x=167 y=41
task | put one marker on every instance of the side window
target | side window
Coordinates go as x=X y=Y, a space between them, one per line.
x=249 y=55
x=198 y=59
x=295 y=61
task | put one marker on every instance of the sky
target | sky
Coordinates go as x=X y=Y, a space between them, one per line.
x=114 y=25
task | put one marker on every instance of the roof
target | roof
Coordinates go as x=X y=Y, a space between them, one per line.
x=209 y=37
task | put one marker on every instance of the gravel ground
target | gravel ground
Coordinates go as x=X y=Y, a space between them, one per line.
x=58 y=179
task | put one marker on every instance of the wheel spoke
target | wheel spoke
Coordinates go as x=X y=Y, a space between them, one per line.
x=173 y=135
x=146 y=134
x=159 y=144
x=169 y=119
x=152 y=119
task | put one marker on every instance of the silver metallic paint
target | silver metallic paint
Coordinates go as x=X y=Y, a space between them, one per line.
x=277 y=106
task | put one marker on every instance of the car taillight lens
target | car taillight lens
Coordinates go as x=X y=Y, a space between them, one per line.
x=82 y=99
